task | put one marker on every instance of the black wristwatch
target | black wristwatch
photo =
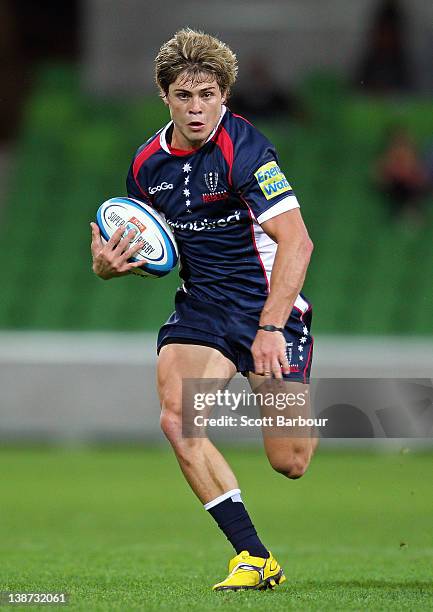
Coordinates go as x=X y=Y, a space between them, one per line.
x=271 y=328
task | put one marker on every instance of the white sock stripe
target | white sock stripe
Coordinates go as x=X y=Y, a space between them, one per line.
x=221 y=498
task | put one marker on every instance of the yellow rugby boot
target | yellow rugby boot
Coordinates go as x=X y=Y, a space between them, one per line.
x=247 y=572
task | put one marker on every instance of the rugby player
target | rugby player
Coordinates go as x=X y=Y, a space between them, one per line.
x=244 y=251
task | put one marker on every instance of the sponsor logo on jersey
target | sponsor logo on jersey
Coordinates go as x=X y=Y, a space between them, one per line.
x=164 y=185
x=271 y=180
x=205 y=224
x=214 y=197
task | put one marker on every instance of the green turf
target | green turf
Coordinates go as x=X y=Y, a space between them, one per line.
x=118 y=530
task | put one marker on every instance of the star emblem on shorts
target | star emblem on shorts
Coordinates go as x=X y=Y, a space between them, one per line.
x=301 y=357
x=187 y=180
x=186 y=192
x=305 y=330
x=303 y=340
x=186 y=167
x=300 y=348
x=188 y=203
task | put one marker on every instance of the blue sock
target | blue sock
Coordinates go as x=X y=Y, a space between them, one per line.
x=229 y=512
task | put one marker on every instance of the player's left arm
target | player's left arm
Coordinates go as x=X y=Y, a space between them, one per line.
x=288 y=274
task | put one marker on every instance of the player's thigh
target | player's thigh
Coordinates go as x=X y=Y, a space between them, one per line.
x=180 y=364
x=289 y=401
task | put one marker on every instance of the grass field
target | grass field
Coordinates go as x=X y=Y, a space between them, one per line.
x=118 y=530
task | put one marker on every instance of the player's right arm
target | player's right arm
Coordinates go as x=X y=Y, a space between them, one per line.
x=111 y=259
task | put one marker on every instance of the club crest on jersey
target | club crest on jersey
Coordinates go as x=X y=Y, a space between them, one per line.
x=289 y=352
x=271 y=180
x=211 y=180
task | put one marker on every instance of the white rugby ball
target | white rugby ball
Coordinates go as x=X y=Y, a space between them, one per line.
x=159 y=253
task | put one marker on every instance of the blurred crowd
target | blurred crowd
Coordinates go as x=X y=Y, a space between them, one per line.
x=385 y=65
x=404 y=176
x=403 y=173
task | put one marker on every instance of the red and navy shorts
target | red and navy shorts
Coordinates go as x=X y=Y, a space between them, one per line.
x=232 y=332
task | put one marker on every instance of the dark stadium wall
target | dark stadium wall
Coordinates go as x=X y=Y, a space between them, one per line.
x=120 y=38
x=31 y=33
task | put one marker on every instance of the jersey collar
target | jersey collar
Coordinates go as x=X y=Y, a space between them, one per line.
x=163 y=140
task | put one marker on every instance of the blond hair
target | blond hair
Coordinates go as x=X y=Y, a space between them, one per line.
x=197 y=54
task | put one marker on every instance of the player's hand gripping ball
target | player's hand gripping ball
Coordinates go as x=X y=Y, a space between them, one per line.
x=159 y=251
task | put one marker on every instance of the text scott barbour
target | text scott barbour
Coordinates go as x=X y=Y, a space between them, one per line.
x=268 y=421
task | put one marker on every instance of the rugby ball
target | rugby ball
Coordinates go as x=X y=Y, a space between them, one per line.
x=159 y=253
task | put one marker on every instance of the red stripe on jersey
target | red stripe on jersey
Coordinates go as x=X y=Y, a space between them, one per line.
x=240 y=117
x=180 y=152
x=149 y=150
x=225 y=143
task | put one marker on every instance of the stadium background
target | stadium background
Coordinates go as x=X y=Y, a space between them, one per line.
x=77 y=354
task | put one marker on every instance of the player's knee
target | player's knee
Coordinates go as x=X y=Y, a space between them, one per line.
x=171 y=423
x=293 y=465
x=186 y=449
x=297 y=469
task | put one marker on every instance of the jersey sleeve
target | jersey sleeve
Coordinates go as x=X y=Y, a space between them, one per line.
x=134 y=188
x=261 y=182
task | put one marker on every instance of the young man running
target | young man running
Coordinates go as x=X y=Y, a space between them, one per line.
x=244 y=251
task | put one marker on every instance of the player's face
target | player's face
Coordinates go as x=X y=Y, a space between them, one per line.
x=195 y=108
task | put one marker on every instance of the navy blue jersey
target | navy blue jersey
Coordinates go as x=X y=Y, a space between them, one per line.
x=214 y=199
